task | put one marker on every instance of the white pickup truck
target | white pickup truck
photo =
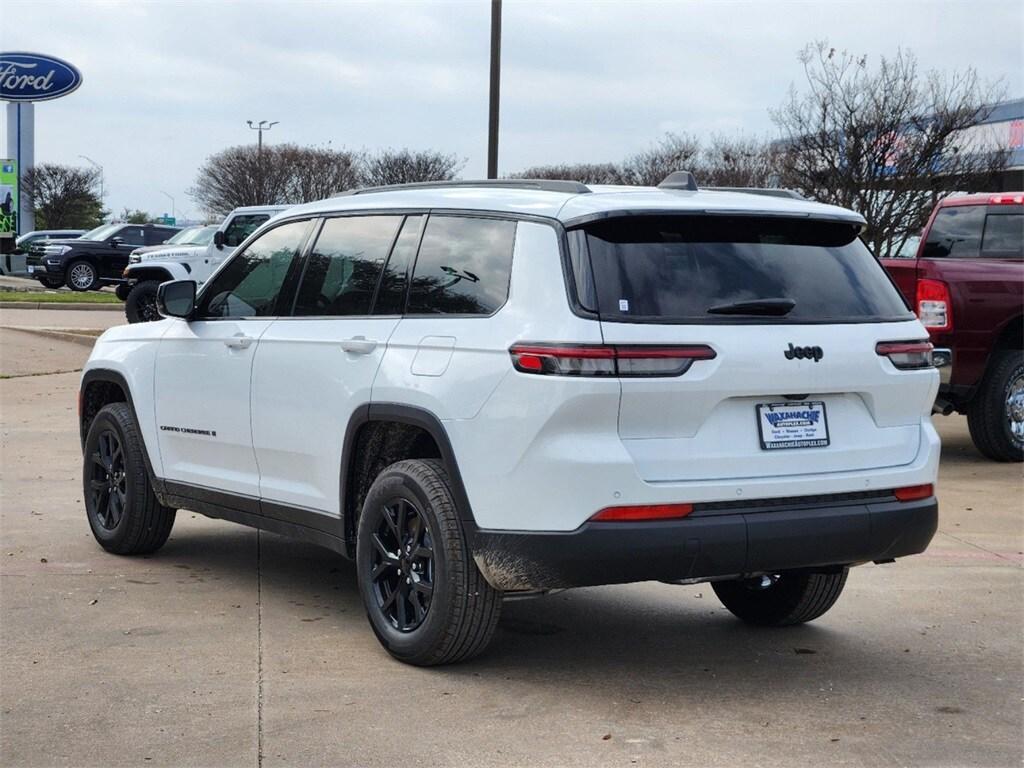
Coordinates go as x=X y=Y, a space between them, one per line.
x=146 y=270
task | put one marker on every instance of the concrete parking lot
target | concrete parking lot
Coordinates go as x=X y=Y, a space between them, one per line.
x=233 y=648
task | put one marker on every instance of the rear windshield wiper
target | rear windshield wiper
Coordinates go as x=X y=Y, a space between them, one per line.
x=767 y=307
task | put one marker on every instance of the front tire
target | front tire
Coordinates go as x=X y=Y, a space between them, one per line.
x=140 y=307
x=781 y=599
x=426 y=600
x=124 y=514
x=82 y=276
x=995 y=416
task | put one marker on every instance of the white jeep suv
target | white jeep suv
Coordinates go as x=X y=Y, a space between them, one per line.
x=478 y=389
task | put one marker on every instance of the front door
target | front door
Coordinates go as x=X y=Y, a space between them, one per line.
x=204 y=366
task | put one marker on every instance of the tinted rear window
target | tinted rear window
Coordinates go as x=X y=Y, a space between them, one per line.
x=956 y=232
x=1004 y=234
x=674 y=269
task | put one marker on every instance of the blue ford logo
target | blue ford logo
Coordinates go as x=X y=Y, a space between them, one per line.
x=35 y=77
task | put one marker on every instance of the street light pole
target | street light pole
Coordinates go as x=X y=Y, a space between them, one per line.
x=174 y=213
x=492 y=128
x=261 y=126
x=99 y=168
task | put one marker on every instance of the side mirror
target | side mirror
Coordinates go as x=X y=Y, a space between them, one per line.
x=116 y=241
x=176 y=298
x=218 y=239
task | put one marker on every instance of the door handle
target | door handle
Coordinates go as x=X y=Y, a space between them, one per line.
x=359 y=345
x=239 y=341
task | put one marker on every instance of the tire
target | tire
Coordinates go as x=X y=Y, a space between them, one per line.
x=140 y=306
x=124 y=514
x=995 y=416
x=122 y=290
x=51 y=282
x=782 y=599
x=81 y=275
x=411 y=503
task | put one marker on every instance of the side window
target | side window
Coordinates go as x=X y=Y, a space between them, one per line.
x=1004 y=234
x=241 y=227
x=344 y=267
x=132 y=235
x=463 y=266
x=955 y=232
x=391 y=294
x=252 y=281
x=157 y=235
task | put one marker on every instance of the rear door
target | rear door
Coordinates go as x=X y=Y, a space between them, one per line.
x=793 y=310
x=316 y=367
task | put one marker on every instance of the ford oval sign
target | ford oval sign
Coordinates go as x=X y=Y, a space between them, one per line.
x=35 y=77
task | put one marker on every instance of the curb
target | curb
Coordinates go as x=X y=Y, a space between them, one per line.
x=61 y=305
x=75 y=338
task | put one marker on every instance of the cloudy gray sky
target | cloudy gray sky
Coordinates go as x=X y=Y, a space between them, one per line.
x=168 y=83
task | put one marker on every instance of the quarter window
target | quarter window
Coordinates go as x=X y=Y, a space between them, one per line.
x=463 y=266
x=252 y=282
x=345 y=266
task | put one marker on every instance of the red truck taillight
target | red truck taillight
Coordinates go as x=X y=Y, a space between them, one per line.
x=934 y=306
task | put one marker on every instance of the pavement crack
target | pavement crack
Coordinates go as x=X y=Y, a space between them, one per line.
x=43 y=373
x=259 y=652
x=977 y=546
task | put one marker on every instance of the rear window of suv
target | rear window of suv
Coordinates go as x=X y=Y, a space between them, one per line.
x=674 y=269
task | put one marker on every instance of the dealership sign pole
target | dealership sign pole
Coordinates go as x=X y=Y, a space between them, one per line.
x=26 y=78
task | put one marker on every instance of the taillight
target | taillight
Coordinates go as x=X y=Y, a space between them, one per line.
x=914 y=492
x=1006 y=200
x=934 y=307
x=906 y=355
x=607 y=359
x=642 y=512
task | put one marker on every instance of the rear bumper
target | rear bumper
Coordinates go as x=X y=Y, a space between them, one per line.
x=713 y=543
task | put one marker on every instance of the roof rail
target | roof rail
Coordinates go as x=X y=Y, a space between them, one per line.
x=679 y=180
x=766 y=191
x=546 y=185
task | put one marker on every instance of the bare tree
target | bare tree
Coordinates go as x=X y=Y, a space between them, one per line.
x=401 y=166
x=586 y=173
x=64 y=197
x=244 y=176
x=318 y=172
x=737 y=162
x=673 y=152
x=884 y=140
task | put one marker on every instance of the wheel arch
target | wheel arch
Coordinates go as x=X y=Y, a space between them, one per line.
x=379 y=434
x=150 y=273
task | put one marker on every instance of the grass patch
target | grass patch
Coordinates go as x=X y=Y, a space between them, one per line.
x=59 y=297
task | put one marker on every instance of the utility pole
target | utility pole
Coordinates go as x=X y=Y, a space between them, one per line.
x=492 y=129
x=174 y=213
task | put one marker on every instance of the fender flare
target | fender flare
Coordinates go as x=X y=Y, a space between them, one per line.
x=141 y=272
x=413 y=416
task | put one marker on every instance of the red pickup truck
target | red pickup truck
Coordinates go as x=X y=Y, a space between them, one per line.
x=967 y=286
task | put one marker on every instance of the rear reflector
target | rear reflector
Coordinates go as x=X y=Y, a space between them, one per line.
x=934 y=306
x=906 y=355
x=642 y=512
x=914 y=492
x=606 y=359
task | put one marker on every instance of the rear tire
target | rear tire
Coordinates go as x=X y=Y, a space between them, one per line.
x=782 y=599
x=140 y=306
x=995 y=416
x=124 y=514
x=82 y=276
x=426 y=600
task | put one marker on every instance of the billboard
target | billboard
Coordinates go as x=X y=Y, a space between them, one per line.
x=8 y=198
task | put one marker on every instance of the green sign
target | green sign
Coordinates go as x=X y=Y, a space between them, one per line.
x=165 y=220
x=8 y=197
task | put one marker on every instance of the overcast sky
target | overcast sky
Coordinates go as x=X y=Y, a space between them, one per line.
x=168 y=83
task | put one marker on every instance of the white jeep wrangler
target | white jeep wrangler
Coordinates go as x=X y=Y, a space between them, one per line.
x=147 y=268
x=479 y=389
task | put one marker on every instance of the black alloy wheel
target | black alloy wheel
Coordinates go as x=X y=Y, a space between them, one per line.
x=402 y=562
x=109 y=482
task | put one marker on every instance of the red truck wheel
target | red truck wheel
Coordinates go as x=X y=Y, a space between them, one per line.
x=996 y=414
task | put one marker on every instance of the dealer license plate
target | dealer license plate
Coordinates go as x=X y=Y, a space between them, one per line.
x=792 y=425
